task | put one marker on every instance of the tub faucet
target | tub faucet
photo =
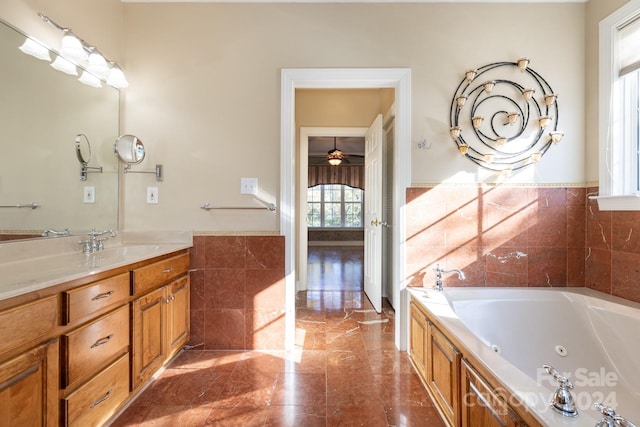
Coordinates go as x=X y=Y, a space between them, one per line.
x=440 y=272
x=610 y=418
x=562 y=400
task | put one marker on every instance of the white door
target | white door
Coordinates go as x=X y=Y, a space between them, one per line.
x=373 y=214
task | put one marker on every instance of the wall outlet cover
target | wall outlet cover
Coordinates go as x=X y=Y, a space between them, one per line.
x=249 y=186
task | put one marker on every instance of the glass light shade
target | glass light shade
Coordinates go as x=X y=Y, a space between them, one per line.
x=488 y=86
x=528 y=93
x=463 y=149
x=556 y=136
x=501 y=141
x=461 y=100
x=116 y=78
x=550 y=99
x=98 y=65
x=512 y=118
x=35 y=49
x=455 y=132
x=477 y=121
x=335 y=161
x=544 y=121
x=523 y=63
x=89 y=79
x=469 y=75
x=64 y=65
x=488 y=158
x=72 y=48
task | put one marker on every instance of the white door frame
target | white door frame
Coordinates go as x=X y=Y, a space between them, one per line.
x=303 y=177
x=345 y=78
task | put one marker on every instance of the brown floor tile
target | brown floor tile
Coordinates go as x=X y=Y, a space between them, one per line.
x=345 y=371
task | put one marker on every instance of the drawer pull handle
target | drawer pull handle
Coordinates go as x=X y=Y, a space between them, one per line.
x=103 y=295
x=167 y=270
x=102 y=341
x=102 y=399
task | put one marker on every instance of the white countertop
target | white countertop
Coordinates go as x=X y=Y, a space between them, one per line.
x=33 y=265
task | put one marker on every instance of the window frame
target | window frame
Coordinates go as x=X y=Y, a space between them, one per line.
x=617 y=160
x=343 y=211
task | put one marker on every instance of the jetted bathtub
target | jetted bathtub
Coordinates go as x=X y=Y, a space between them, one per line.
x=590 y=337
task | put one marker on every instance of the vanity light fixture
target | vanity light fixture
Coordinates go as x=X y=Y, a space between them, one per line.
x=36 y=49
x=504 y=116
x=79 y=53
x=89 y=79
x=64 y=65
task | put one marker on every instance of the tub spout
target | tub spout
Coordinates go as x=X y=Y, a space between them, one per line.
x=562 y=400
x=440 y=272
x=610 y=418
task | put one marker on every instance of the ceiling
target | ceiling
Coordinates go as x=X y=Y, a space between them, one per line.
x=320 y=145
x=354 y=1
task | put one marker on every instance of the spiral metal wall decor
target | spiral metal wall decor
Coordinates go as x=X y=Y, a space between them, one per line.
x=504 y=116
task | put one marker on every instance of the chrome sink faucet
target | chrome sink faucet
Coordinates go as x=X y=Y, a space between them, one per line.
x=440 y=272
x=95 y=243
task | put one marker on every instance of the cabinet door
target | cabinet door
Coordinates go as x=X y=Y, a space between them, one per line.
x=443 y=374
x=178 y=315
x=417 y=339
x=29 y=388
x=481 y=406
x=149 y=349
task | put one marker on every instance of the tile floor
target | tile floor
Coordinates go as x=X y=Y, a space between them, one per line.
x=344 y=372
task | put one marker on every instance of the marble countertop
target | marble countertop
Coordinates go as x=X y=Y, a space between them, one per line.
x=33 y=265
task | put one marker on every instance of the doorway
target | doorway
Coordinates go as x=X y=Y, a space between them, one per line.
x=292 y=79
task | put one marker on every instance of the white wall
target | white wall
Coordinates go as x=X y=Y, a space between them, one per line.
x=204 y=92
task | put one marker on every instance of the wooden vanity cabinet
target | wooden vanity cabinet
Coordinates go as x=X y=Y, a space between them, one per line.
x=443 y=374
x=437 y=361
x=29 y=368
x=482 y=406
x=418 y=339
x=29 y=387
x=72 y=354
x=160 y=316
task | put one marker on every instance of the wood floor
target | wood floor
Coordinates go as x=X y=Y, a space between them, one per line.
x=345 y=370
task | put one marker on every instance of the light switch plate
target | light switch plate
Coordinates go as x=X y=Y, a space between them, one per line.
x=89 y=195
x=152 y=195
x=249 y=186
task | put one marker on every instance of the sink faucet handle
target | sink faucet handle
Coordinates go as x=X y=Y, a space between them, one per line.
x=611 y=419
x=562 y=400
x=562 y=380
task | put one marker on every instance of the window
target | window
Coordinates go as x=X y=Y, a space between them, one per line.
x=619 y=109
x=334 y=205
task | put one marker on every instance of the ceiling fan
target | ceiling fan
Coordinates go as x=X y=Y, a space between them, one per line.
x=336 y=157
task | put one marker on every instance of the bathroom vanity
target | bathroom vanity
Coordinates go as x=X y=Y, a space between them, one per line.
x=86 y=332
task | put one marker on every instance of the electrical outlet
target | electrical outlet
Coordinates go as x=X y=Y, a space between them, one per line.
x=152 y=195
x=89 y=195
x=249 y=186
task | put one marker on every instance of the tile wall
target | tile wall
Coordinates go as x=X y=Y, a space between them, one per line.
x=520 y=236
x=499 y=236
x=237 y=292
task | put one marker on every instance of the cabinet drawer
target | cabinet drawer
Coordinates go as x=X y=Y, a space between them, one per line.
x=89 y=348
x=152 y=275
x=24 y=323
x=94 y=299
x=97 y=400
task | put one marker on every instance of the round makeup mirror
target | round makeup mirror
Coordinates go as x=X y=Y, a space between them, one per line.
x=129 y=149
x=83 y=149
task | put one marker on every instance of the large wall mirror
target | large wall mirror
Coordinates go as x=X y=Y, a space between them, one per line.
x=42 y=113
